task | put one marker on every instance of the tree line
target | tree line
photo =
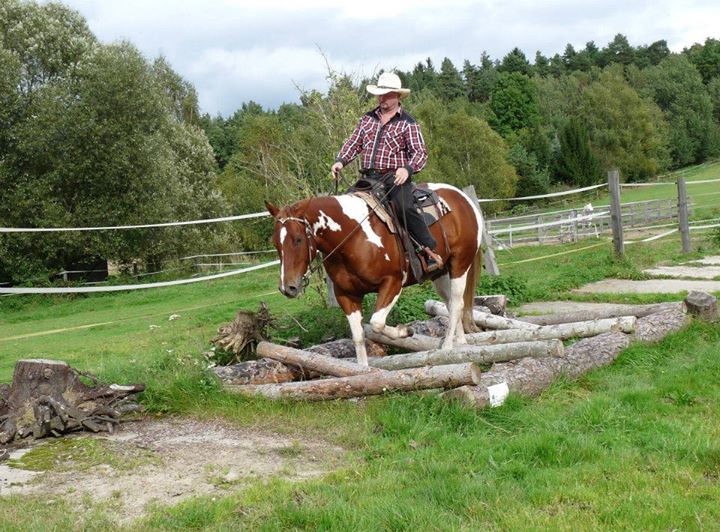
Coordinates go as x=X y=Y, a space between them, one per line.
x=95 y=134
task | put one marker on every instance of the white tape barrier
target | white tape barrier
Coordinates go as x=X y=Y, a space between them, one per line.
x=661 y=235
x=566 y=221
x=695 y=227
x=553 y=195
x=143 y=226
x=118 y=288
x=228 y=254
x=702 y=182
x=699 y=182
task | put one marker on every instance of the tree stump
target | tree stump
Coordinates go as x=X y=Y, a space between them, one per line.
x=241 y=335
x=702 y=305
x=47 y=397
x=496 y=304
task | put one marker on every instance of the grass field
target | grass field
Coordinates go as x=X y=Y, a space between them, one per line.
x=632 y=446
x=705 y=197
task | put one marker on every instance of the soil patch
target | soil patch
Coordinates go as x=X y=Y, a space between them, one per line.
x=162 y=461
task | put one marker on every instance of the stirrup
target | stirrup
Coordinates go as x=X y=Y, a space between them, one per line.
x=433 y=261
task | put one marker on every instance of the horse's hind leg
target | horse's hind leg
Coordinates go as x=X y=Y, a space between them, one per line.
x=352 y=307
x=388 y=294
x=455 y=304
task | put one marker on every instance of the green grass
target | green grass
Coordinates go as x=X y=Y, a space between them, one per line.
x=704 y=196
x=632 y=446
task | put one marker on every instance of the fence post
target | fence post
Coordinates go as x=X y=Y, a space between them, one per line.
x=616 y=212
x=683 y=215
x=574 y=214
x=491 y=266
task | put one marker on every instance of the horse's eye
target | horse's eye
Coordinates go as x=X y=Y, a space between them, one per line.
x=298 y=240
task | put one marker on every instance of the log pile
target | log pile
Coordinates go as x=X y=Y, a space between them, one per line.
x=49 y=398
x=519 y=355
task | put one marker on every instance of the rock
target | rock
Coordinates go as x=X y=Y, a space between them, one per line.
x=702 y=305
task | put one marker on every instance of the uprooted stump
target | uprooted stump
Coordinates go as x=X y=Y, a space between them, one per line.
x=240 y=336
x=48 y=398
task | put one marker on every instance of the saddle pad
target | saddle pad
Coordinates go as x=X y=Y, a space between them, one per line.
x=376 y=206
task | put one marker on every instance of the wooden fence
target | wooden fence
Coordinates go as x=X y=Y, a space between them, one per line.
x=571 y=225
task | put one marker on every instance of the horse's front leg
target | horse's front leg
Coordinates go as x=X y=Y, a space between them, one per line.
x=352 y=307
x=455 y=304
x=388 y=294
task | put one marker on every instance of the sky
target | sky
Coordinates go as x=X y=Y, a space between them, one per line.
x=234 y=51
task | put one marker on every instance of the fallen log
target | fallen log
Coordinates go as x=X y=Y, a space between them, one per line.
x=468 y=353
x=47 y=397
x=616 y=311
x=562 y=331
x=416 y=342
x=345 y=348
x=483 y=319
x=374 y=383
x=655 y=327
x=319 y=363
x=496 y=304
x=702 y=305
x=530 y=376
x=435 y=327
x=261 y=371
x=268 y=371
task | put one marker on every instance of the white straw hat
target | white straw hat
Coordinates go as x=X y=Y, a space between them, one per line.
x=388 y=82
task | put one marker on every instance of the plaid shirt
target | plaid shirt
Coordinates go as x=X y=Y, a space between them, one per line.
x=399 y=143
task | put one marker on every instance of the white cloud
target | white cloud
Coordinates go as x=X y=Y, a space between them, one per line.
x=234 y=51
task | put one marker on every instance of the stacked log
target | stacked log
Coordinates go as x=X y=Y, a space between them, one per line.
x=470 y=353
x=373 y=383
x=616 y=311
x=527 y=354
x=530 y=376
x=481 y=318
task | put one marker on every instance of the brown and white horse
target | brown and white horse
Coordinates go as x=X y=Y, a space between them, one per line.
x=362 y=256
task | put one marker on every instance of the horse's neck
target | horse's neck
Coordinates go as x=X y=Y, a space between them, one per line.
x=324 y=211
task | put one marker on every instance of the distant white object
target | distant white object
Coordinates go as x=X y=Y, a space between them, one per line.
x=173 y=317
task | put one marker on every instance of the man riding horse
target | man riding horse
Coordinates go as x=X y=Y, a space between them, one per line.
x=393 y=150
x=360 y=252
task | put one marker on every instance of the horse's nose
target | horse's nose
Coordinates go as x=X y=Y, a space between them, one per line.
x=291 y=290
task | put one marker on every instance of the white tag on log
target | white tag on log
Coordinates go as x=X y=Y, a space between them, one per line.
x=498 y=393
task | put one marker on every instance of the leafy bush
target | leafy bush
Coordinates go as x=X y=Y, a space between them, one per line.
x=514 y=287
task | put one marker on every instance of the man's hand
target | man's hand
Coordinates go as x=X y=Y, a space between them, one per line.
x=401 y=175
x=335 y=169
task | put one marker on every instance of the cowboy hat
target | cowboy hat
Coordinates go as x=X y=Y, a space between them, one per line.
x=388 y=82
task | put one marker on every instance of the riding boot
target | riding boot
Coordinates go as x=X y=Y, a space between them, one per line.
x=433 y=260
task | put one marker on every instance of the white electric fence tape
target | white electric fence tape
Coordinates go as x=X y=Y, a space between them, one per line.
x=540 y=196
x=143 y=226
x=118 y=288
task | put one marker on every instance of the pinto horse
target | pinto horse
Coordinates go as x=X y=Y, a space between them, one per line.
x=361 y=256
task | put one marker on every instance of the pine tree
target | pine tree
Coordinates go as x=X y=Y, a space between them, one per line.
x=450 y=83
x=575 y=163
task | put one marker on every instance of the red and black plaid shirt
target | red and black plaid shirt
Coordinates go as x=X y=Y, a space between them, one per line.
x=399 y=143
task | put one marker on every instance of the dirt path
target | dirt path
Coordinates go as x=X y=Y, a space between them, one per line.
x=166 y=461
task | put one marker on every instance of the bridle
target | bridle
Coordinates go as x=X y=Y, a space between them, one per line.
x=310 y=239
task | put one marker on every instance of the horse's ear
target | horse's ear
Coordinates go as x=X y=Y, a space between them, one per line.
x=272 y=209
